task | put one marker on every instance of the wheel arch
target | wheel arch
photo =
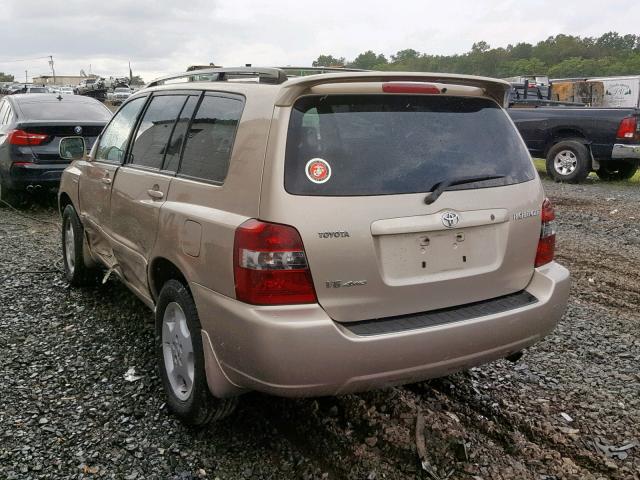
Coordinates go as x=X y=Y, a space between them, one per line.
x=63 y=200
x=566 y=133
x=160 y=271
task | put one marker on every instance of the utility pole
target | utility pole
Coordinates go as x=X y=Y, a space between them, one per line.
x=52 y=69
x=25 y=77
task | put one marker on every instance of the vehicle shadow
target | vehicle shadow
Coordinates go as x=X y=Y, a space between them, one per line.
x=39 y=200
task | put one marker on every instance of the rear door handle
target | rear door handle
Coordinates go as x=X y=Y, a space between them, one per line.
x=155 y=193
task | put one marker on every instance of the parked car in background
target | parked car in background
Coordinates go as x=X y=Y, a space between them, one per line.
x=577 y=141
x=120 y=94
x=67 y=91
x=36 y=89
x=4 y=87
x=31 y=127
x=316 y=235
x=13 y=89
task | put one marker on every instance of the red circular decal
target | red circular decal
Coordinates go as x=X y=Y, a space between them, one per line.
x=318 y=170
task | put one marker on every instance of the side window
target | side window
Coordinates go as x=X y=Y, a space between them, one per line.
x=113 y=141
x=174 y=148
x=210 y=139
x=153 y=134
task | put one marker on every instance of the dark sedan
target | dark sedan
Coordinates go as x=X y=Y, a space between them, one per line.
x=31 y=127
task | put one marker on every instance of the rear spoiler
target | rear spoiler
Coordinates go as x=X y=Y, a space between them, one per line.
x=493 y=88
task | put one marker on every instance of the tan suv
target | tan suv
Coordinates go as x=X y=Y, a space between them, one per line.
x=319 y=234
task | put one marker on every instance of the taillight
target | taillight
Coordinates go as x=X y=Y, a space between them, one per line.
x=409 y=87
x=627 y=128
x=270 y=265
x=547 y=242
x=20 y=137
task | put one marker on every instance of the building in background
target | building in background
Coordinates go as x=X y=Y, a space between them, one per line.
x=71 y=80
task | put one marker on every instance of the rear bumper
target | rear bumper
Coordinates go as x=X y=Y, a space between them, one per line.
x=300 y=351
x=624 y=151
x=43 y=174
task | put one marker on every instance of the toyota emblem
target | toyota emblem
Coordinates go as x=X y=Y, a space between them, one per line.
x=450 y=219
x=77 y=130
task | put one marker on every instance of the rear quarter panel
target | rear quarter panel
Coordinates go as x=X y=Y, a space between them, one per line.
x=198 y=220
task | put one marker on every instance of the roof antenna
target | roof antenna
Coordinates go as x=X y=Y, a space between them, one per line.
x=59 y=97
x=247 y=64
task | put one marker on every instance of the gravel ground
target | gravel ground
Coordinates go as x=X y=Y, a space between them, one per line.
x=67 y=411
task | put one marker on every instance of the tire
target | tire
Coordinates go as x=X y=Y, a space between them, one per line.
x=181 y=359
x=75 y=268
x=617 y=170
x=569 y=161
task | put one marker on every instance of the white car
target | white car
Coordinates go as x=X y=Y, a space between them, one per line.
x=120 y=94
x=66 y=91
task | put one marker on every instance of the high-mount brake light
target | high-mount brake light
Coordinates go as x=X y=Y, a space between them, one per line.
x=547 y=242
x=270 y=265
x=627 y=128
x=22 y=138
x=410 y=87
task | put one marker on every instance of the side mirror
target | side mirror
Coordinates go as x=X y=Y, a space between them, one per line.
x=72 y=148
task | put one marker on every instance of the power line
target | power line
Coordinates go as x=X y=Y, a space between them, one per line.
x=23 y=60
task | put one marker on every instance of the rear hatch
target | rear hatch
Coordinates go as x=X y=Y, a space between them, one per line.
x=46 y=150
x=51 y=118
x=358 y=168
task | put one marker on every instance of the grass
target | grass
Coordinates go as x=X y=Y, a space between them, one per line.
x=542 y=170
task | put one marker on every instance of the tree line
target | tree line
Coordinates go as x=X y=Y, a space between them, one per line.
x=557 y=56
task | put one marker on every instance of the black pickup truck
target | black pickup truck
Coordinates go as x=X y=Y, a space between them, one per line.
x=578 y=140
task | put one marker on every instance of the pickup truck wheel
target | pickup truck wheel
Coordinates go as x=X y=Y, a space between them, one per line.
x=614 y=171
x=568 y=161
x=75 y=268
x=181 y=359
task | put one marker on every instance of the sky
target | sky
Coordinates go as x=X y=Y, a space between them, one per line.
x=161 y=36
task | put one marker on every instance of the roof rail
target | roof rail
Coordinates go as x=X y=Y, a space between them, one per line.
x=303 y=71
x=265 y=75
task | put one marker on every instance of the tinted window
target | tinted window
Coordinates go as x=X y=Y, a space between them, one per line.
x=155 y=129
x=91 y=111
x=210 y=139
x=394 y=144
x=113 y=141
x=174 y=148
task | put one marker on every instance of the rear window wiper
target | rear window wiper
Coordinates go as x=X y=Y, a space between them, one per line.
x=442 y=185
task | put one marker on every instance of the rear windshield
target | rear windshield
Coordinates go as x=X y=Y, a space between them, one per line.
x=91 y=111
x=341 y=145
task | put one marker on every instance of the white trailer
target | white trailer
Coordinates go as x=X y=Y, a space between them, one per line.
x=620 y=91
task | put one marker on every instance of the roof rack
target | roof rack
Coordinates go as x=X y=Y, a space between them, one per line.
x=303 y=71
x=265 y=75
x=270 y=75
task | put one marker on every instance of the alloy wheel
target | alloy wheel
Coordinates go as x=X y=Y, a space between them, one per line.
x=177 y=350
